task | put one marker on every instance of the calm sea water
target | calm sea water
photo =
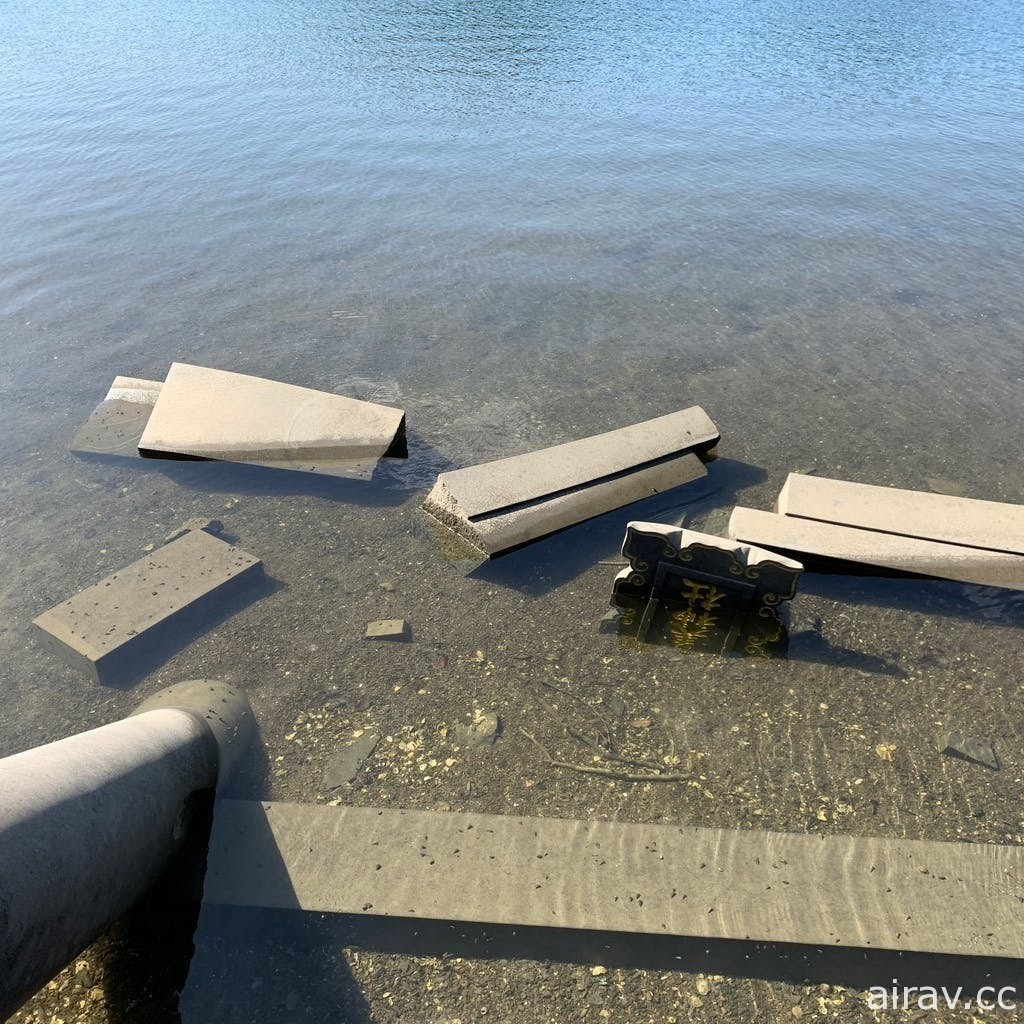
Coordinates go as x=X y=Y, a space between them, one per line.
x=524 y=222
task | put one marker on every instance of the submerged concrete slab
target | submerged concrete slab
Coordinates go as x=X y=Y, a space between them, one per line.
x=657 y=879
x=232 y=417
x=501 y=505
x=808 y=537
x=969 y=522
x=108 y=626
x=116 y=424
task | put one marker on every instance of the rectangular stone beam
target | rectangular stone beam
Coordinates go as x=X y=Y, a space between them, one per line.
x=969 y=522
x=498 y=506
x=808 y=538
x=955 y=898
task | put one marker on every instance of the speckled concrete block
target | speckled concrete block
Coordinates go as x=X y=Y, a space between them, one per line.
x=107 y=626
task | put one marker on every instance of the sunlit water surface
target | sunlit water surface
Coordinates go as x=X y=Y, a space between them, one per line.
x=526 y=222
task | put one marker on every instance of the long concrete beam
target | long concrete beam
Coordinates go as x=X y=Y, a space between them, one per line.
x=808 y=538
x=894 y=894
x=966 y=522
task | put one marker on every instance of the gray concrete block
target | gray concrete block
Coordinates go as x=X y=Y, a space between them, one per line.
x=346 y=764
x=960 y=898
x=968 y=522
x=808 y=537
x=498 y=506
x=232 y=417
x=109 y=625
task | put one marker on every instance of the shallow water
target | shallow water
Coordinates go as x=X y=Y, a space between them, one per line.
x=524 y=223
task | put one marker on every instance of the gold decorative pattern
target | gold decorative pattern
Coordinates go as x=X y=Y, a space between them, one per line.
x=701 y=596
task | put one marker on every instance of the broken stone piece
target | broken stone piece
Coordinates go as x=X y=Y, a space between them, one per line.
x=943 y=485
x=212 y=526
x=807 y=537
x=498 y=506
x=115 y=426
x=387 y=629
x=700 y=592
x=107 y=627
x=203 y=413
x=971 y=748
x=482 y=732
x=968 y=522
x=345 y=766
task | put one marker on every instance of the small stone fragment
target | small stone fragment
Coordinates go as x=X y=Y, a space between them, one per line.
x=616 y=705
x=211 y=526
x=387 y=629
x=971 y=748
x=117 y=423
x=345 y=766
x=234 y=417
x=482 y=732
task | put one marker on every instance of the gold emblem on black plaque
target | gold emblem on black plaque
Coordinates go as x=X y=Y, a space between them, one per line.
x=703 y=593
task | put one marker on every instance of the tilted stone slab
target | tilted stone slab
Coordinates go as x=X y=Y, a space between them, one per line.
x=883 y=550
x=969 y=522
x=115 y=426
x=501 y=505
x=656 y=879
x=232 y=417
x=109 y=625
